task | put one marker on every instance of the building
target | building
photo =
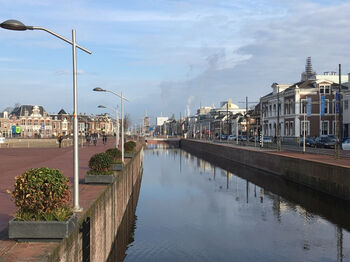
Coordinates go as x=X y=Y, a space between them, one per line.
x=346 y=113
x=32 y=120
x=160 y=120
x=29 y=121
x=286 y=106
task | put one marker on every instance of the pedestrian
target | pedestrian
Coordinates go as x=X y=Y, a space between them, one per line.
x=88 y=139
x=104 y=139
x=59 y=139
x=95 y=138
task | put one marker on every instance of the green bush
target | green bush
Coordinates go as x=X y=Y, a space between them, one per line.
x=115 y=153
x=42 y=194
x=129 y=146
x=100 y=164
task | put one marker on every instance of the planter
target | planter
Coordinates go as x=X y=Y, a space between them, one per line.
x=41 y=230
x=117 y=167
x=129 y=155
x=99 y=179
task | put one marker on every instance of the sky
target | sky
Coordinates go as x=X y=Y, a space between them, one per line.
x=166 y=56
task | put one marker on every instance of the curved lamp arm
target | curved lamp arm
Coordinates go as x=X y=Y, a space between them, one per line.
x=58 y=36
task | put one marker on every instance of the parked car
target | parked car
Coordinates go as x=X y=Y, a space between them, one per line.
x=325 y=142
x=231 y=137
x=346 y=144
x=252 y=139
x=242 y=138
x=266 y=139
x=223 y=137
x=308 y=142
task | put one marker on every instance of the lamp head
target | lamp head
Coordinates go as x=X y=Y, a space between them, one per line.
x=99 y=89
x=14 y=25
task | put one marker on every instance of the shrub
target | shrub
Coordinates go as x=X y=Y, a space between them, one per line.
x=129 y=146
x=100 y=164
x=40 y=192
x=115 y=153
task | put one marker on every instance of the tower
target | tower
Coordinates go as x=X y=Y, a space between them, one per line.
x=308 y=74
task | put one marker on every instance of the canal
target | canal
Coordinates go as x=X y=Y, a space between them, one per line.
x=191 y=210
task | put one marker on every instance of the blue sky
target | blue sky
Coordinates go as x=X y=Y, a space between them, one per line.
x=166 y=55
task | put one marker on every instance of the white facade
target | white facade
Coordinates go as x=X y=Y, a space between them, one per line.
x=161 y=119
x=346 y=113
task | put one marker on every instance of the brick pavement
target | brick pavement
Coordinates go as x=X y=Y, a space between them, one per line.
x=328 y=159
x=345 y=162
x=14 y=162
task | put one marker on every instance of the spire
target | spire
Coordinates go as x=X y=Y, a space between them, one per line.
x=308 y=66
x=309 y=74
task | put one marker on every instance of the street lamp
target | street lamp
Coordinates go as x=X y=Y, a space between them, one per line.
x=117 y=123
x=99 y=89
x=19 y=26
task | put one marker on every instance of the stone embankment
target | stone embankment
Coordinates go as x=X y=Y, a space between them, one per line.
x=322 y=173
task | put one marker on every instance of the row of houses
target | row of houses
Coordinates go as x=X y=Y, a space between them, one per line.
x=317 y=103
x=28 y=121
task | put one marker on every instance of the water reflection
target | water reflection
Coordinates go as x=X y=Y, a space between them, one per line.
x=193 y=210
x=125 y=235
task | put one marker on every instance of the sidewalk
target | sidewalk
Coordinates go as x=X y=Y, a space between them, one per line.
x=14 y=162
x=344 y=162
x=327 y=159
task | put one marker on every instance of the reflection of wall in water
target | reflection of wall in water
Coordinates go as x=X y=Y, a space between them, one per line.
x=126 y=230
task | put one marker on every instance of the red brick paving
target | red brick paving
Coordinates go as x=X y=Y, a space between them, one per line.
x=345 y=162
x=328 y=159
x=14 y=162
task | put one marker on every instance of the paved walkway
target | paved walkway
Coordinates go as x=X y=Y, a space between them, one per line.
x=345 y=162
x=14 y=162
x=328 y=159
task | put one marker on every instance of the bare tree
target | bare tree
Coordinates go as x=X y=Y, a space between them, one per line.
x=127 y=121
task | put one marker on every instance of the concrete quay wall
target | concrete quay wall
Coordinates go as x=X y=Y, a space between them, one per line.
x=327 y=178
x=105 y=214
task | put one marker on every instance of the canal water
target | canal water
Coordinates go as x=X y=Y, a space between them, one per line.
x=191 y=210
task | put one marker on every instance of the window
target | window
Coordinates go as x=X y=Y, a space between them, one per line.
x=334 y=127
x=286 y=128
x=36 y=122
x=346 y=104
x=303 y=103
x=307 y=128
x=324 y=127
x=322 y=89
x=333 y=106
x=325 y=89
x=270 y=110
x=54 y=125
x=326 y=106
x=47 y=123
x=274 y=109
x=29 y=122
x=279 y=109
x=23 y=122
x=291 y=130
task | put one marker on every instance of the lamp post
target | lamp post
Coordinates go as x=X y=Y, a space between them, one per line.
x=19 y=26
x=122 y=98
x=117 y=124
